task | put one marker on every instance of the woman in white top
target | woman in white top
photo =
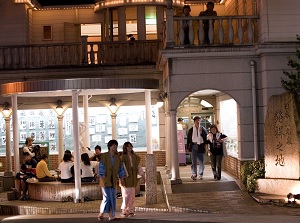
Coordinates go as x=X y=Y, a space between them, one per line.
x=87 y=169
x=28 y=147
x=66 y=168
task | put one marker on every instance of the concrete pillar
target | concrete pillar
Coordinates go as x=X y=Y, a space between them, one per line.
x=151 y=179
x=122 y=23
x=174 y=149
x=141 y=22
x=167 y=144
x=77 y=174
x=170 y=42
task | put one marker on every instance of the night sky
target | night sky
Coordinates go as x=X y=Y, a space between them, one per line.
x=65 y=2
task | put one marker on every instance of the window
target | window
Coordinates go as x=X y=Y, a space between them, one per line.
x=47 y=32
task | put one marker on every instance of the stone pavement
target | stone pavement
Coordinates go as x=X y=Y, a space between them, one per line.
x=203 y=200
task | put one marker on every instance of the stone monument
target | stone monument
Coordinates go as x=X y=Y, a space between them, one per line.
x=282 y=146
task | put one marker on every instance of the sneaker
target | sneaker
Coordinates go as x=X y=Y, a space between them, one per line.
x=200 y=177
x=124 y=215
x=193 y=177
x=131 y=214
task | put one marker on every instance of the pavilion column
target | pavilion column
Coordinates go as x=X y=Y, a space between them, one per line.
x=60 y=139
x=174 y=149
x=8 y=171
x=86 y=121
x=78 y=196
x=114 y=126
x=14 y=103
x=141 y=22
x=122 y=23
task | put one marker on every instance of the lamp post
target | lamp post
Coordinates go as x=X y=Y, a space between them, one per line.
x=6 y=114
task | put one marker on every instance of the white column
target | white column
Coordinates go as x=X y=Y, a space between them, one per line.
x=148 y=121
x=174 y=148
x=8 y=171
x=14 y=104
x=77 y=177
x=86 y=139
x=113 y=126
x=167 y=141
x=60 y=138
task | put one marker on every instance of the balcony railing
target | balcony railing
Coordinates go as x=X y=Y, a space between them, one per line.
x=222 y=30
x=79 y=54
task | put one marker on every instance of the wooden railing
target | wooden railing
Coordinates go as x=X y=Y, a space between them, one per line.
x=122 y=53
x=79 y=54
x=238 y=30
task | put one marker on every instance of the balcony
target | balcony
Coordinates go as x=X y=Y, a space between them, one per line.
x=79 y=54
x=223 y=31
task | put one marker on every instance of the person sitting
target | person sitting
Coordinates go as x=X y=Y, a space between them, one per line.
x=27 y=171
x=97 y=155
x=42 y=172
x=130 y=37
x=66 y=169
x=208 y=12
x=87 y=169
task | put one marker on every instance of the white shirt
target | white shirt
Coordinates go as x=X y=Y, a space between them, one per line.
x=87 y=170
x=65 y=169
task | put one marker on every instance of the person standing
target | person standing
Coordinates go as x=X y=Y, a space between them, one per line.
x=208 y=12
x=215 y=140
x=28 y=147
x=133 y=169
x=196 y=145
x=110 y=171
x=185 y=24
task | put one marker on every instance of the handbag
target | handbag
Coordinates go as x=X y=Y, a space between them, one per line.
x=201 y=148
x=224 y=149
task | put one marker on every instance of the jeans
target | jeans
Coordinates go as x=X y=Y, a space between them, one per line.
x=216 y=161
x=200 y=157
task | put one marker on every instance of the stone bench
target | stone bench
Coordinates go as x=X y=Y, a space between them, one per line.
x=57 y=191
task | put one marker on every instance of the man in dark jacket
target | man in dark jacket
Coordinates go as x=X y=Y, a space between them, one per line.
x=196 y=145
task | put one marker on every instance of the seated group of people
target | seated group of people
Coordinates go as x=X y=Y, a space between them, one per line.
x=88 y=166
x=31 y=168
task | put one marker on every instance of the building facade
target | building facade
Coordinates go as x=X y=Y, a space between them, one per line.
x=249 y=45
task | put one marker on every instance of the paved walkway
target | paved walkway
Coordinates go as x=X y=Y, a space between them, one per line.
x=205 y=200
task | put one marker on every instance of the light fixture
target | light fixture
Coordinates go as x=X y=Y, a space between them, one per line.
x=6 y=110
x=163 y=95
x=59 y=107
x=113 y=106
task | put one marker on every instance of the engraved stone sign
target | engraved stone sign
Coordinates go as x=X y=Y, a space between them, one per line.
x=282 y=137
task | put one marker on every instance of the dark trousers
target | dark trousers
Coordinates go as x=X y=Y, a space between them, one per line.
x=216 y=162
